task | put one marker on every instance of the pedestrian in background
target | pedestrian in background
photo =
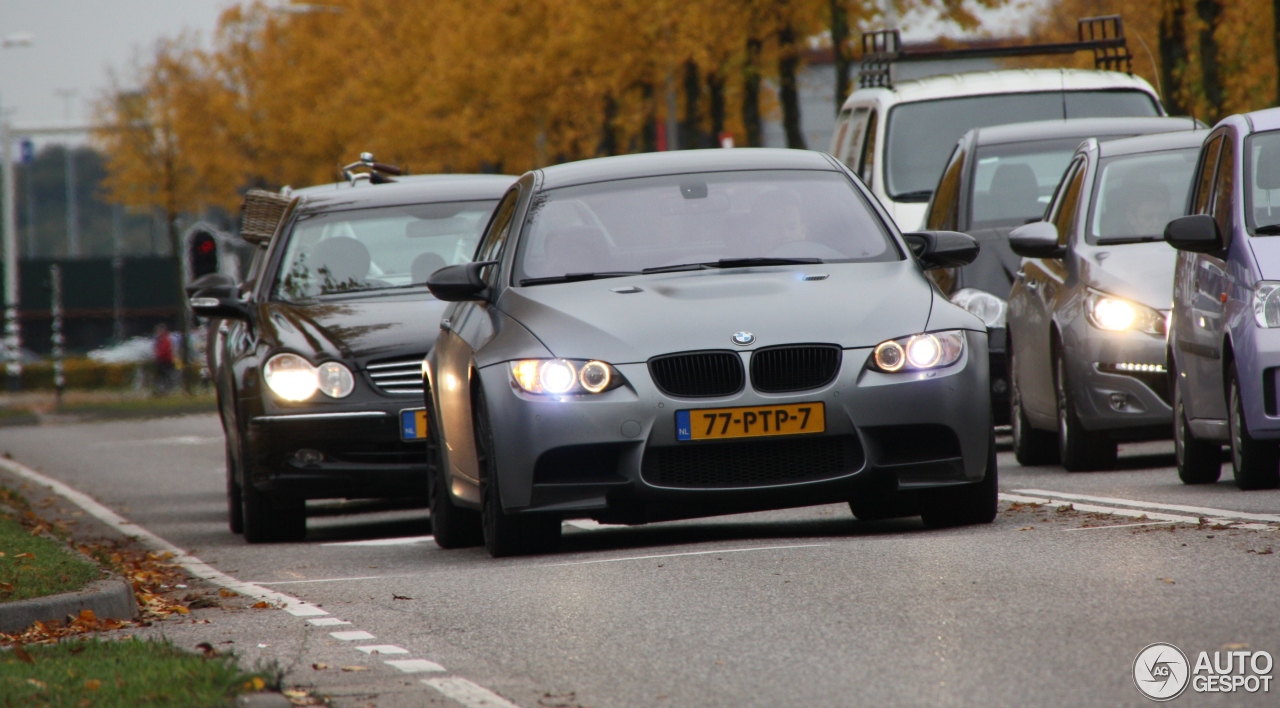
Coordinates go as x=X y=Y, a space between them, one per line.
x=162 y=352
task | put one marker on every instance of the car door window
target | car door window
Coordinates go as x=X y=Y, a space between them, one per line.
x=943 y=214
x=1223 y=188
x=867 y=162
x=1204 y=178
x=1068 y=202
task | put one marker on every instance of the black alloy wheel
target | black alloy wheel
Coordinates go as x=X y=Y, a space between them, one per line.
x=1079 y=450
x=1031 y=447
x=505 y=534
x=962 y=505
x=268 y=518
x=235 y=508
x=1199 y=461
x=451 y=525
x=1256 y=463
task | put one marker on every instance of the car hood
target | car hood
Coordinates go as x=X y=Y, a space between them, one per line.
x=993 y=270
x=856 y=305
x=1266 y=253
x=359 y=330
x=1142 y=272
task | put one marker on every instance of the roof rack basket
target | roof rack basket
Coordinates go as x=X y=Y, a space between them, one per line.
x=1104 y=36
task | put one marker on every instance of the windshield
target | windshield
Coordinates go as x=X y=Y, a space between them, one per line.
x=376 y=249
x=629 y=225
x=1136 y=195
x=1262 y=175
x=1013 y=183
x=922 y=134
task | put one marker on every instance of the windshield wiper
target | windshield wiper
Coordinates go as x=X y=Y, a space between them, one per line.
x=572 y=277
x=765 y=261
x=1117 y=240
x=676 y=268
x=920 y=195
x=1268 y=229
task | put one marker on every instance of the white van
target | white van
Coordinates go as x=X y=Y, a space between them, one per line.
x=898 y=137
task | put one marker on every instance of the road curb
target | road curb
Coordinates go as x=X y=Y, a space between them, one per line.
x=108 y=599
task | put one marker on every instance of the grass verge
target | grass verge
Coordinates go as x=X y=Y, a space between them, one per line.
x=34 y=566
x=150 y=407
x=123 y=673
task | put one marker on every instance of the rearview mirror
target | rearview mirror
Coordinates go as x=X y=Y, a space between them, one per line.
x=1039 y=239
x=1198 y=233
x=457 y=283
x=215 y=304
x=942 y=249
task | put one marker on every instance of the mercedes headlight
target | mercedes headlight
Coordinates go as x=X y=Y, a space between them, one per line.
x=1266 y=303
x=1117 y=314
x=930 y=350
x=293 y=378
x=988 y=308
x=563 y=376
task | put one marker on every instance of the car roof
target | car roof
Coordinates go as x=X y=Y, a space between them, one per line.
x=1153 y=143
x=652 y=164
x=1266 y=119
x=977 y=83
x=1078 y=128
x=416 y=189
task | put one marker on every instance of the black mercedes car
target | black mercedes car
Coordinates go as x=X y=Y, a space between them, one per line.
x=319 y=353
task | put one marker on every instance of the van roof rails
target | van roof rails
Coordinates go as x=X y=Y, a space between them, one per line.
x=378 y=172
x=1104 y=35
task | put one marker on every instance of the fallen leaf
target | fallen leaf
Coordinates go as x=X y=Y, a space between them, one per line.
x=24 y=555
x=1235 y=646
x=294 y=693
x=319 y=666
x=207 y=649
x=262 y=605
x=1264 y=552
x=37 y=683
x=223 y=592
x=22 y=655
x=1065 y=508
x=92 y=685
x=254 y=684
x=1027 y=528
x=355 y=668
x=6 y=587
x=1167 y=580
x=400 y=597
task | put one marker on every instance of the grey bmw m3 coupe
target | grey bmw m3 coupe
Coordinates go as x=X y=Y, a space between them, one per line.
x=677 y=335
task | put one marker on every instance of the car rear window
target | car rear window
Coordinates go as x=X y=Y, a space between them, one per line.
x=633 y=224
x=1136 y=195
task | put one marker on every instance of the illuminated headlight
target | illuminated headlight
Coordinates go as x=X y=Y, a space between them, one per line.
x=293 y=378
x=563 y=376
x=931 y=350
x=1266 y=303
x=988 y=308
x=1117 y=314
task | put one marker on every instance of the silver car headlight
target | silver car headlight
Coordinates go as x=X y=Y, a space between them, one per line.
x=987 y=307
x=1116 y=314
x=1266 y=303
x=931 y=350
x=293 y=378
x=560 y=377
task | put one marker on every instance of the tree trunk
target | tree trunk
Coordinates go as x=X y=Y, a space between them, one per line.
x=1275 y=34
x=179 y=257
x=839 y=42
x=608 y=137
x=715 y=91
x=751 y=93
x=788 y=95
x=1173 y=54
x=690 y=127
x=649 y=135
x=1210 y=12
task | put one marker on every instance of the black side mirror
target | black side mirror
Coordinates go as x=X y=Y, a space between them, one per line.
x=457 y=283
x=1198 y=233
x=214 y=283
x=942 y=249
x=1039 y=239
x=214 y=303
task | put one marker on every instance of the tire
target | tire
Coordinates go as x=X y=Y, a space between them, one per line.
x=1199 y=461
x=1031 y=447
x=1256 y=463
x=975 y=503
x=452 y=526
x=269 y=518
x=505 y=534
x=235 y=504
x=1079 y=450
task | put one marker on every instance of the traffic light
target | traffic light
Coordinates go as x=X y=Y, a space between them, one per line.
x=202 y=254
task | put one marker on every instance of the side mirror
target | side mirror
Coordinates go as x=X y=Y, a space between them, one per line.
x=457 y=283
x=1039 y=239
x=215 y=284
x=215 y=304
x=942 y=249
x=1198 y=233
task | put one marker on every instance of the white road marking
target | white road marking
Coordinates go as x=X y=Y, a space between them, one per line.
x=1197 y=510
x=591 y=524
x=1119 y=526
x=351 y=636
x=326 y=621
x=1092 y=508
x=176 y=440
x=383 y=649
x=467 y=693
x=690 y=553
x=407 y=540
x=414 y=666
x=186 y=561
x=333 y=580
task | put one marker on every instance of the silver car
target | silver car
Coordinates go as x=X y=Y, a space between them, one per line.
x=678 y=335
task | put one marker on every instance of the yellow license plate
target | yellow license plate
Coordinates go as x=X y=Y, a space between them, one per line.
x=750 y=421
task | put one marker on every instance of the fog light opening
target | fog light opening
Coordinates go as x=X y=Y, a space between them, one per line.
x=1119 y=401
x=308 y=457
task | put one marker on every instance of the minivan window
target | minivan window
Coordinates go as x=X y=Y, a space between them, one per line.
x=921 y=133
x=1136 y=195
x=1262 y=183
x=1013 y=182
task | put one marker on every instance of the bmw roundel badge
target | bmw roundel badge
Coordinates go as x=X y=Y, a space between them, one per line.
x=743 y=338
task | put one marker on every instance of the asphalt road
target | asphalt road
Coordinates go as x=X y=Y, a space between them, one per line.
x=797 y=607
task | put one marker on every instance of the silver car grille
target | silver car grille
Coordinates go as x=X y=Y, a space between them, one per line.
x=397 y=376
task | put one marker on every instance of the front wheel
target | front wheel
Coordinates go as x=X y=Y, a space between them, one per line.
x=451 y=525
x=506 y=534
x=235 y=504
x=1199 y=461
x=975 y=503
x=1256 y=463
x=1079 y=450
x=269 y=518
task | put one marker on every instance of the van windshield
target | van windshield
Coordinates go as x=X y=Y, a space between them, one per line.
x=921 y=134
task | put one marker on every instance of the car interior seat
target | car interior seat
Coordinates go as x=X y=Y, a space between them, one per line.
x=1267 y=176
x=1014 y=192
x=424 y=265
x=343 y=259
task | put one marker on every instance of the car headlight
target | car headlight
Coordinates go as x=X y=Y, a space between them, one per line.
x=1266 y=303
x=988 y=308
x=293 y=378
x=1117 y=314
x=930 y=350
x=563 y=376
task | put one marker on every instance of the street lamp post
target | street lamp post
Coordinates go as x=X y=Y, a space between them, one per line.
x=9 y=227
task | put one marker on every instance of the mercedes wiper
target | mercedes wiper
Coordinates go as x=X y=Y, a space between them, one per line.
x=765 y=261
x=1117 y=240
x=1268 y=229
x=676 y=268
x=573 y=277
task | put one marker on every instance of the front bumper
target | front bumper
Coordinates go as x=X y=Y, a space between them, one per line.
x=1257 y=360
x=1111 y=390
x=614 y=456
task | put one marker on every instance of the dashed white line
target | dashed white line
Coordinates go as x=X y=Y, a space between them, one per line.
x=403 y=541
x=1093 y=508
x=332 y=580
x=1133 y=503
x=690 y=553
x=326 y=621
x=352 y=635
x=1120 y=526
x=414 y=666
x=467 y=693
x=383 y=649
